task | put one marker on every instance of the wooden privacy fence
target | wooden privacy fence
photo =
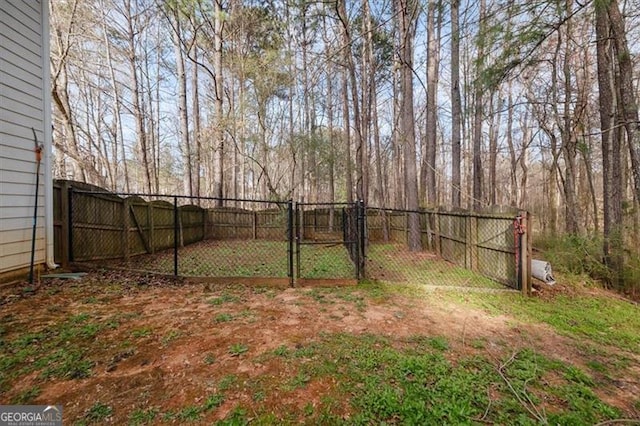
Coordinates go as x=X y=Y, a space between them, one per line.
x=92 y=224
x=494 y=245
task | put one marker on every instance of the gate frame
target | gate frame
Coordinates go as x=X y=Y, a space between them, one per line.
x=359 y=242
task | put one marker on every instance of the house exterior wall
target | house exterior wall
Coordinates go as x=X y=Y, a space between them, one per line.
x=24 y=105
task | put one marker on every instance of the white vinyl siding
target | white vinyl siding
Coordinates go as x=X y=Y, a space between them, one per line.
x=22 y=107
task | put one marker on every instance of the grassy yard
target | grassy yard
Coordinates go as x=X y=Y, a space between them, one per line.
x=262 y=258
x=395 y=263
x=135 y=349
x=248 y=258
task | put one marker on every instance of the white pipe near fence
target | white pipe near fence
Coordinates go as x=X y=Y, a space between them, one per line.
x=542 y=271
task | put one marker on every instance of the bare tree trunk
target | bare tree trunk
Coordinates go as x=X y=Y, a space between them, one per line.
x=456 y=105
x=195 y=111
x=351 y=69
x=569 y=143
x=624 y=81
x=218 y=185
x=513 y=162
x=332 y=142
x=612 y=184
x=137 y=107
x=183 y=133
x=347 y=135
x=494 y=127
x=429 y=161
x=407 y=13
x=398 y=169
x=478 y=179
x=368 y=88
x=117 y=132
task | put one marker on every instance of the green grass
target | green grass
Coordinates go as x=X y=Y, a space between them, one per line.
x=27 y=396
x=170 y=337
x=604 y=321
x=223 y=317
x=143 y=417
x=141 y=333
x=98 y=413
x=390 y=263
x=238 y=349
x=251 y=258
x=232 y=258
x=325 y=261
x=224 y=298
x=384 y=381
x=56 y=351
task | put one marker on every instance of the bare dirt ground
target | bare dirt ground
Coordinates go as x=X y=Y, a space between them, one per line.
x=170 y=344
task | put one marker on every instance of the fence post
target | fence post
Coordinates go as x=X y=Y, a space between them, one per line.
x=436 y=231
x=204 y=221
x=356 y=242
x=296 y=226
x=471 y=243
x=255 y=225
x=64 y=224
x=524 y=248
x=125 y=228
x=70 y=225
x=175 y=236
x=362 y=255
x=150 y=223
x=290 y=236
x=406 y=228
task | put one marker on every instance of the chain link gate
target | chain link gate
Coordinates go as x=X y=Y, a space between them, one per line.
x=330 y=241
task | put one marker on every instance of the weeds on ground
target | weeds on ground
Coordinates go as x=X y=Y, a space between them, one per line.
x=417 y=384
x=57 y=351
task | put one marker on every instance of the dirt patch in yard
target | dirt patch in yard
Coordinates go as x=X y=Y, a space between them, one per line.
x=161 y=347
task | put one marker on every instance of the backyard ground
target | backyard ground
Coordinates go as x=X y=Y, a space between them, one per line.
x=126 y=348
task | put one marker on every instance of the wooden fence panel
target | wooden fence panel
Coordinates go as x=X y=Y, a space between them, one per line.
x=163 y=223
x=192 y=226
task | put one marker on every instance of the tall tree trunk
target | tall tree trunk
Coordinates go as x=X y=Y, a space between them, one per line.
x=478 y=179
x=624 y=81
x=117 y=102
x=218 y=117
x=429 y=161
x=357 y=122
x=494 y=127
x=513 y=161
x=183 y=132
x=456 y=104
x=612 y=185
x=347 y=135
x=197 y=127
x=569 y=142
x=137 y=107
x=407 y=13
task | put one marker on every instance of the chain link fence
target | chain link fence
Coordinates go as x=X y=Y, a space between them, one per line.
x=180 y=235
x=329 y=241
x=460 y=249
x=285 y=241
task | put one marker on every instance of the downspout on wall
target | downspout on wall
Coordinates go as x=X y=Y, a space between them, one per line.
x=48 y=142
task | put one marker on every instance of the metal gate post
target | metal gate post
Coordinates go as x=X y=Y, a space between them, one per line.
x=290 y=236
x=362 y=229
x=297 y=222
x=175 y=236
x=70 y=235
x=356 y=234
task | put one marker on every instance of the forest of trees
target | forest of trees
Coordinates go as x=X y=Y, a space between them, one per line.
x=401 y=103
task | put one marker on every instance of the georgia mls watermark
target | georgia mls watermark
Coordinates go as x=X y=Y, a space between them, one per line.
x=30 y=415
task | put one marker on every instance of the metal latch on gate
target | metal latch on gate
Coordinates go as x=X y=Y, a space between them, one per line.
x=519 y=227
